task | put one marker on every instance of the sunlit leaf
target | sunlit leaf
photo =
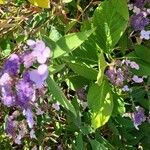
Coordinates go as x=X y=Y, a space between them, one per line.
x=41 y=3
x=1 y=1
x=100 y=101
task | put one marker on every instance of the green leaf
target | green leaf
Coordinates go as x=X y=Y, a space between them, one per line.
x=119 y=105
x=59 y=95
x=111 y=22
x=143 y=66
x=56 y=69
x=100 y=101
x=79 y=142
x=70 y=42
x=143 y=53
x=83 y=70
x=97 y=146
x=102 y=66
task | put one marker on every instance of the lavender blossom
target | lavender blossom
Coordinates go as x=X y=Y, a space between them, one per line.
x=138 y=117
x=12 y=65
x=10 y=126
x=137 y=79
x=32 y=134
x=29 y=117
x=40 y=51
x=140 y=3
x=56 y=106
x=145 y=35
x=25 y=93
x=125 y=88
x=7 y=94
x=139 y=21
x=39 y=76
x=134 y=65
x=28 y=59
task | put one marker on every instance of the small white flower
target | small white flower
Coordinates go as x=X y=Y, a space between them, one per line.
x=18 y=139
x=148 y=11
x=32 y=134
x=145 y=35
x=136 y=79
x=127 y=62
x=134 y=65
x=136 y=10
x=125 y=88
x=56 y=106
x=130 y=6
x=144 y=14
x=39 y=111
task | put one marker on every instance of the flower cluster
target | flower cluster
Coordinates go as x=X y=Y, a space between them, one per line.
x=139 y=20
x=20 y=83
x=120 y=73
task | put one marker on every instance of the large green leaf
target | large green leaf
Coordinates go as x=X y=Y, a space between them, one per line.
x=143 y=53
x=70 y=42
x=100 y=101
x=97 y=145
x=59 y=95
x=102 y=65
x=143 y=65
x=111 y=19
x=83 y=70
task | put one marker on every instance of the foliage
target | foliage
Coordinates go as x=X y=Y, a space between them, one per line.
x=96 y=96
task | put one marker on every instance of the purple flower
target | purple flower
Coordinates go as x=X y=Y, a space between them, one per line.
x=32 y=134
x=28 y=59
x=39 y=76
x=10 y=126
x=40 y=51
x=7 y=94
x=140 y=3
x=29 y=117
x=138 y=22
x=12 y=65
x=25 y=93
x=111 y=74
x=136 y=79
x=26 y=77
x=134 y=65
x=125 y=88
x=138 y=117
x=56 y=106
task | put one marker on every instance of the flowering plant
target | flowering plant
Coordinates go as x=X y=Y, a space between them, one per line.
x=75 y=75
